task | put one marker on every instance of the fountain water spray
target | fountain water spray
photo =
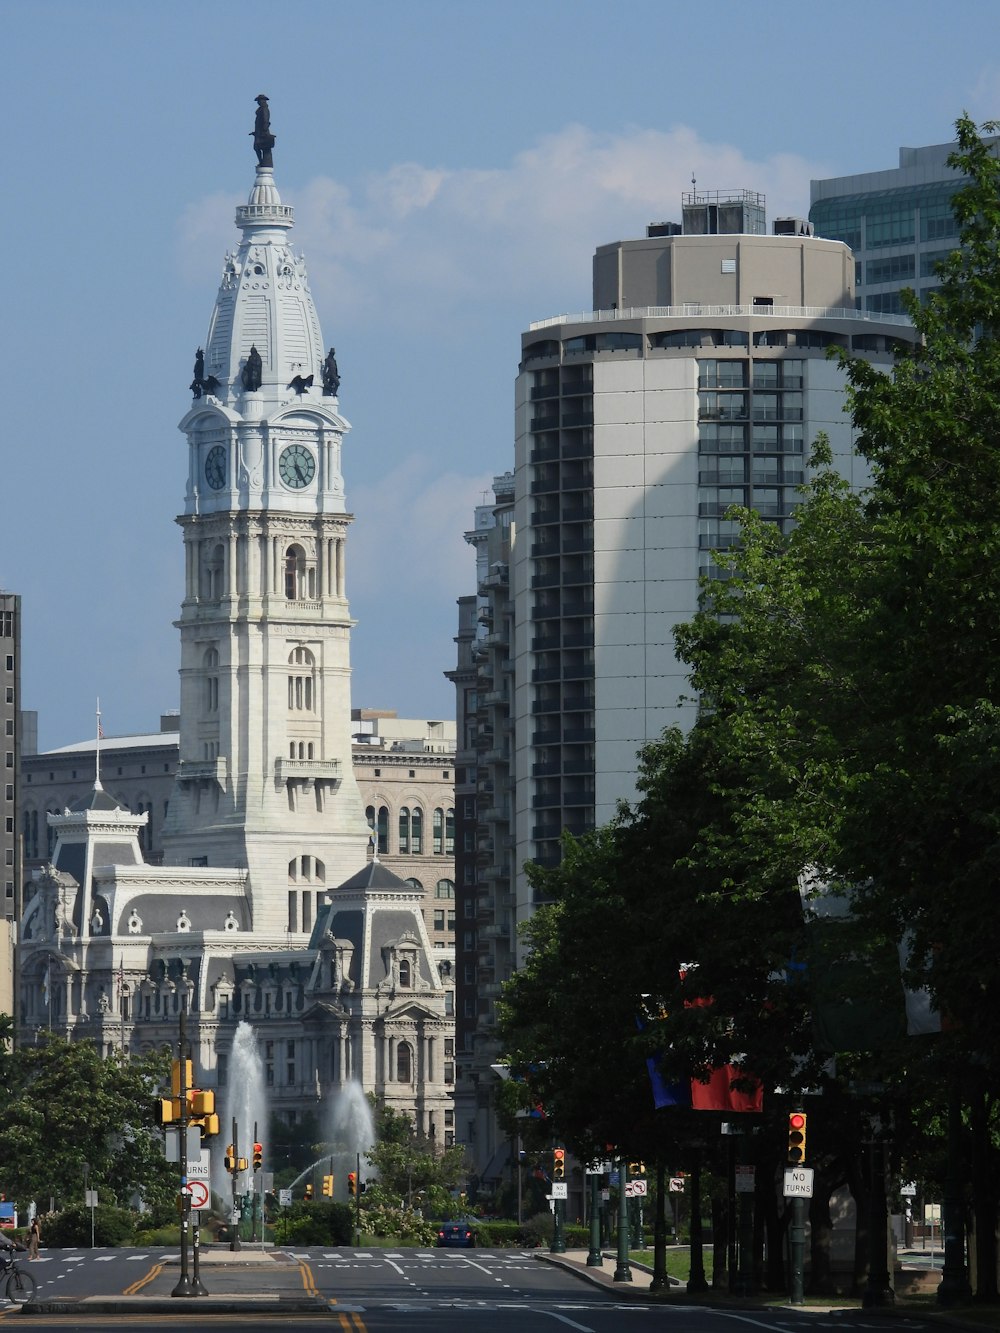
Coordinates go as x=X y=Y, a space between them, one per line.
x=244 y=1099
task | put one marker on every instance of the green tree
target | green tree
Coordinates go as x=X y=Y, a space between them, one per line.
x=63 y=1106
x=411 y=1170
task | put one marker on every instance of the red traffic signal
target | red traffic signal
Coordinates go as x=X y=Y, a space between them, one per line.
x=797 y=1124
x=352 y=1182
x=558 y=1163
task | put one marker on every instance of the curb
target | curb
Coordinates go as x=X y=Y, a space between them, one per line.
x=147 y=1305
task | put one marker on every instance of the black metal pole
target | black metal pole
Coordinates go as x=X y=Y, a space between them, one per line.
x=954 y=1287
x=878 y=1290
x=184 y=1287
x=623 y=1272
x=594 y=1259
x=696 y=1279
x=660 y=1280
x=234 y=1225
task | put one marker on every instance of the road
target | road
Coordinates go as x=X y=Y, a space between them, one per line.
x=398 y=1291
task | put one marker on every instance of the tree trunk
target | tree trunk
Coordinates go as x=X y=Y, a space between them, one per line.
x=984 y=1201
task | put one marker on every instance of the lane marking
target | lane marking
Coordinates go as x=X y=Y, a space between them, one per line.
x=155 y=1271
x=308 y=1281
x=564 y=1319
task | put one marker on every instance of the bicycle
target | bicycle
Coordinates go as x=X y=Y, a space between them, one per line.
x=21 y=1286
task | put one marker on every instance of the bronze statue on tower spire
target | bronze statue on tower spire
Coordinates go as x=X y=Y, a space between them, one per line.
x=263 y=139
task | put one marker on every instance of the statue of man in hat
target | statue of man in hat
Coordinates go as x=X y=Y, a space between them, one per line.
x=263 y=139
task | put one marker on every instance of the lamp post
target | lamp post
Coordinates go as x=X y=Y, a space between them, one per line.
x=594 y=1259
x=623 y=1273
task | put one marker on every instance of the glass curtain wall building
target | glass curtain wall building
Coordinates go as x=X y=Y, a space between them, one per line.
x=898 y=223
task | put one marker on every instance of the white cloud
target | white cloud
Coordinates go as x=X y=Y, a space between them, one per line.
x=418 y=244
x=417 y=510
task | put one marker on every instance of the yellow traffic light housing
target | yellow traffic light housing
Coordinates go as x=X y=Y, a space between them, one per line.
x=328 y=1186
x=796 y=1137
x=309 y=1193
x=177 y=1069
x=230 y=1158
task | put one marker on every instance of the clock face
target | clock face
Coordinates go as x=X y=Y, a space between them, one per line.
x=215 y=467
x=296 y=466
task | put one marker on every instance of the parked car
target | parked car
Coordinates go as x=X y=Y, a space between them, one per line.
x=460 y=1234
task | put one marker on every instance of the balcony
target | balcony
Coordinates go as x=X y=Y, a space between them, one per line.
x=545 y=705
x=203 y=770
x=581 y=639
x=578 y=606
x=577 y=449
x=578 y=766
x=541 y=391
x=574 y=419
x=542 y=674
x=544 y=643
x=549 y=770
x=545 y=580
x=578 y=545
x=546 y=801
x=310 y=770
x=578 y=703
x=542 y=832
x=579 y=735
x=545 y=423
x=548 y=737
x=578 y=513
x=543 y=516
x=578 y=671
x=585 y=797
x=545 y=453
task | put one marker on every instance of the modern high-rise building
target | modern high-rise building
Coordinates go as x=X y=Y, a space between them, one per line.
x=697 y=382
x=897 y=222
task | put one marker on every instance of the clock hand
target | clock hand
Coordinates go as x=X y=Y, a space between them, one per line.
x=300 y=474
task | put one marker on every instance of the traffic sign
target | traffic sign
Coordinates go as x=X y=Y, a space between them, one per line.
x=560 y=1189
x=676 y=1185
x=798 y=1182
x=745 y=1176
x=638 y=1188
x=284 y=1198
x=199 y=1193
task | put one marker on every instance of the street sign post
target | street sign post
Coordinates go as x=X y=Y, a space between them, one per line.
x=745 y=1179
x=798 y=1182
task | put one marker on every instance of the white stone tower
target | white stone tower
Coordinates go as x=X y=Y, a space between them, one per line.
x=265 y=780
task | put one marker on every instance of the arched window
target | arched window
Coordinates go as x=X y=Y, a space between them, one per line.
x=405 y=973
x=295 y=573
x=210 y=665
x=383 y=830
x=214 y=575
x=404 y=830
x=449 y=833
x=417 y=831
x=404 y=1063
x=301 y=681
x=437 y=832
x=445 y=888
x=414 y=883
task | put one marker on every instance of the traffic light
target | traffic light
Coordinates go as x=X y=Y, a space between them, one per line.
x=352 y=1183
x=636 y=1169
x=170 y=1110
x=309 y=1193
x=328 y=1186
x=179 y=1067
x=201 y=1110
x=558 y=1163
x=258 y=1156
x=796 y=1137
x=230 y=1158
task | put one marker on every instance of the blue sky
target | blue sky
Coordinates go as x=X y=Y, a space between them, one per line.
x=452 y=166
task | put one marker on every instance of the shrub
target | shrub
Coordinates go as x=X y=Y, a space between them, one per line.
x=400 y=1223
x=315 y=1224
x=537 y=1230
x=71 y=1226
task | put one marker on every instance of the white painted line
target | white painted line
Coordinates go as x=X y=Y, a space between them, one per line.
x=572 y=1322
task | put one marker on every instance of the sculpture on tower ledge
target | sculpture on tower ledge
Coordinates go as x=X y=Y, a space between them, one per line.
x=331 y=375
x=263 y=139
x=253 y=372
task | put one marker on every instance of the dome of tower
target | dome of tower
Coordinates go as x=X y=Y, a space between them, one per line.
x=264 y=306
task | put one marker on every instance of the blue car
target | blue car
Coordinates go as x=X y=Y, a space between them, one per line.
x=457 y=1234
